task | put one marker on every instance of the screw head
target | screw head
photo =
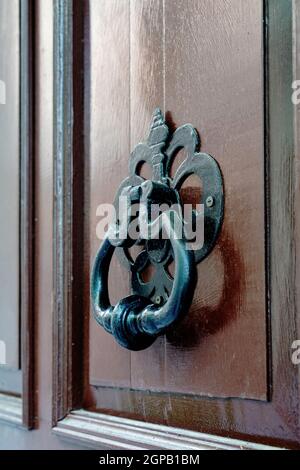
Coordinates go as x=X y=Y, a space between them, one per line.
x=210 y=201
x=158 y=300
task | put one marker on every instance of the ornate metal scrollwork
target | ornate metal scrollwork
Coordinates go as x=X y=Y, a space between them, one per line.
x=154 y=306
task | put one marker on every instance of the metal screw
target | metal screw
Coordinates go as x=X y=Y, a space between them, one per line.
x=210 y=201
x=158 y=300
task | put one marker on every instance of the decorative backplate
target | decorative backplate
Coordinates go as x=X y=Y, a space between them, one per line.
x=159 y=152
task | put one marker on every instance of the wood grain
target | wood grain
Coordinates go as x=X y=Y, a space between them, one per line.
x=214 y=79
x=109 y=146
x=296 y=176
x=203 y=62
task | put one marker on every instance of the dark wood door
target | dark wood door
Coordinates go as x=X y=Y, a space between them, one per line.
x=224 y=376
x=215 y=80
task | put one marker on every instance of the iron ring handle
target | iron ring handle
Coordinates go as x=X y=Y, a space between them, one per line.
x=135 y=321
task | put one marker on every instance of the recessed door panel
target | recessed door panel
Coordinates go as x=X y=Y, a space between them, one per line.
x=9 y=183
x=201 y=62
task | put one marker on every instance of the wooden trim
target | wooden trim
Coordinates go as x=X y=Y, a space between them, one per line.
x=246 y=419
x=27 y=209
x=296 y=54
x=267 y=195
x=99 y=431
x=62 y=268
x=68 y=226
x=283 y=216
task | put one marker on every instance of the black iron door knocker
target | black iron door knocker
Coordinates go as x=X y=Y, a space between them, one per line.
x=136 y=321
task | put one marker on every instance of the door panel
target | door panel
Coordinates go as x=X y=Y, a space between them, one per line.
x=9 y=183
x=202 y=62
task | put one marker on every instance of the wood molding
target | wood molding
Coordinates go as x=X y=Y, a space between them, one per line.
x=99 y=431
x=27 y=209
x=63 y=148
x=68 y=194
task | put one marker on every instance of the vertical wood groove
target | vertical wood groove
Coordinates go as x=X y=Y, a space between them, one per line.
x=63 y=122
x=27 y=209
x=267 y=201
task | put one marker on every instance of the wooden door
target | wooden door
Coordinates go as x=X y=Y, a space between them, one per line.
x=224 y=376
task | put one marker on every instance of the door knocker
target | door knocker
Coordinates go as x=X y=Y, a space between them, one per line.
x=164 y=235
